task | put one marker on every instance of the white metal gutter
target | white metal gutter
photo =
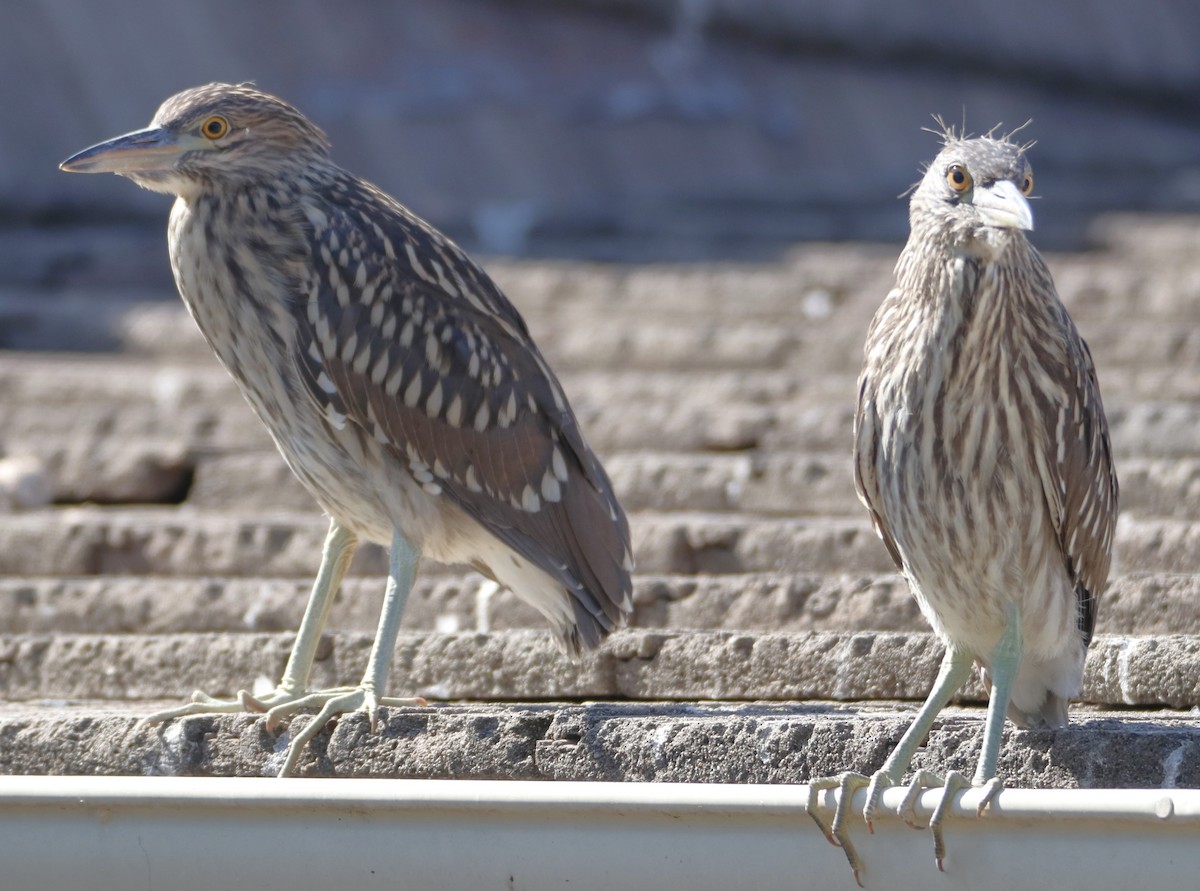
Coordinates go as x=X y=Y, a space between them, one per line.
x=130 y=833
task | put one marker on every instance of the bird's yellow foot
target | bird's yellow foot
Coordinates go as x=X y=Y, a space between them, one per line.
x=953 y=783
x=846 y=784
x=282 y=704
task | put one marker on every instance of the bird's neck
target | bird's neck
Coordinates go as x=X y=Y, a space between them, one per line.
x=940 y=266
x=962 y=298
x=238 y=288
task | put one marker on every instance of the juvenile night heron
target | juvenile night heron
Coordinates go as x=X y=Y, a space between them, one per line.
x=399 y=383
x=983 y=456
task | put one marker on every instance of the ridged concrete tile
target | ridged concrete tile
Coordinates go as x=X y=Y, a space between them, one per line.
x=615 y=742
x=762 y=594
x=174 y=542
x=1134 y=604
x=1162 y=670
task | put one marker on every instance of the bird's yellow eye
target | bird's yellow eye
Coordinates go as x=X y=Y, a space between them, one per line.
x=958 y=178
x=215 y=127
x=1027 y=184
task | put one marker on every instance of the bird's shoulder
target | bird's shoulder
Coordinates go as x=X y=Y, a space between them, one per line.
x=357 y=226
x=390 y=295
x=403 y=337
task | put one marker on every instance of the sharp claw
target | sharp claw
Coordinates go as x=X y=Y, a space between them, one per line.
x=994 y=785
x=274 y=720
x=939 y=848
x=825 y=832
x=848 y=783
x=814 y=792
x=856 y=865
x=879 y=782
x=252 y=703
x=954 y=783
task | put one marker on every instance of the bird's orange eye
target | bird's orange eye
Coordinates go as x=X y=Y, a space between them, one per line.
x=1027 y=184
x=958 y=178
x=215 y=127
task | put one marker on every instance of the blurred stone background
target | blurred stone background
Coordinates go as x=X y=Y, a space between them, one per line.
x=627 y=130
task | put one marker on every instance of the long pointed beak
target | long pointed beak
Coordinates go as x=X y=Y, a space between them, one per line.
x=141 y=151
x=1002 y=205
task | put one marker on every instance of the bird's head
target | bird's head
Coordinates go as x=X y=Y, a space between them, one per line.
x=207 y=136
x=974 y=194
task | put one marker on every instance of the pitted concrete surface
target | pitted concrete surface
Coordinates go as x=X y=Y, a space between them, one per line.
x=632 y=665
x=607 y=741
x=772 y=640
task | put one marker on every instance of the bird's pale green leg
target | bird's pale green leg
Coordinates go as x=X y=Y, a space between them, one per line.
x=956 y=667
x=339 y=549
x=1006 y=659
x=368 y=695
x=340 y=544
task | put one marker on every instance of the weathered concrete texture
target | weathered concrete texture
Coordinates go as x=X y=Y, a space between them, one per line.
x=199 y=426
x=587 y=339
x=451 y=602
x=109 y=467
x=661 y=742
x=1138 y=603
x=579 y=313
x=24 y=483
x=1120 y=295
x=259 y=478
x=615 y=416
x=691 y=386
x=760 y=483
x=79 y=541
x=714 y=665
x=730 y=447
x=114 y=604
x=159 y=541
x=1151 y=603
x=111 y=470
x=171 y=542
x=790 y=744
x=522 y=664
x=132 y=465
x=1160 y=488
x=776 y=602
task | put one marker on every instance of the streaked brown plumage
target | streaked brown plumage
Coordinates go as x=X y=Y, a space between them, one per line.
x=982 y=453
x=399 y=383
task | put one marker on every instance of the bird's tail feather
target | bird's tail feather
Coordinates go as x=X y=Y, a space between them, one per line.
x=1043 y=689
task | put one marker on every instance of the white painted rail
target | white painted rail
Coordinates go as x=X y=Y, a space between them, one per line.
x=127 y=833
